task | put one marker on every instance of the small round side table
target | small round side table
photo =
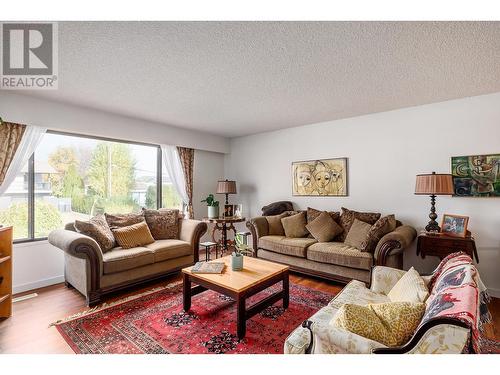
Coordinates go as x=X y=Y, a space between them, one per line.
x=223 y=224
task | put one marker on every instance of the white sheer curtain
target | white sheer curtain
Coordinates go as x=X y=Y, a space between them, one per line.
x=31 y=138
x=173 y=165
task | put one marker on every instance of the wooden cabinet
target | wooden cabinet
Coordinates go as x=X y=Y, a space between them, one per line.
x=5 y=272
x=441 y=245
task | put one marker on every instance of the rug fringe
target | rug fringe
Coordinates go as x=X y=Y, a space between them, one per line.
x=107 y=305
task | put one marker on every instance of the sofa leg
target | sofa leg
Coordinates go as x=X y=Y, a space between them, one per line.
x=93 y=298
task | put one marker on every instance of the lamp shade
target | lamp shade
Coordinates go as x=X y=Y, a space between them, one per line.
x=434 y=184
x=226 y=187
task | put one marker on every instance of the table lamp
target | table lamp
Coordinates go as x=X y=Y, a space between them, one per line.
x=226 y=187
x=434 y=184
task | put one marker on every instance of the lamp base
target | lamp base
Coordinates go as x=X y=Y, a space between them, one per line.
x=433 y=226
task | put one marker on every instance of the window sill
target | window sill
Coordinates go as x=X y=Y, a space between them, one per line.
x=28 y=240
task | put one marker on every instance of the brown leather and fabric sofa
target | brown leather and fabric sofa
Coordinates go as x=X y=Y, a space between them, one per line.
x=332 y=260
x=95 y=273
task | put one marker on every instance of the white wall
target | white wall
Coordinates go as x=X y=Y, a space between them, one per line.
x=74 y=119
x=385 y=152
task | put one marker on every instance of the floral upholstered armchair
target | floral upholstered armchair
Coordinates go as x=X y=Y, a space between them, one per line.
x=442 y=329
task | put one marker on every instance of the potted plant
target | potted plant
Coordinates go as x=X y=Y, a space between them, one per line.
x=240 y=249
x=213 y=206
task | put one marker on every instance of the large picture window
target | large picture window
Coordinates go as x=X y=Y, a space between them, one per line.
x=74 y=177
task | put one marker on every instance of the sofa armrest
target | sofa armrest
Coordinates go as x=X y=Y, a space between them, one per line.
x=80 y=246
x=438 y=336
x=384 y=278
x=75 y=244
x=191 y=231
x=259 y=227
x=330 y=340
x=393 y=243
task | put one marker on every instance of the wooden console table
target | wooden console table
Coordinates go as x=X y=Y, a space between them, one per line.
x=223 y=224
x=441 y=245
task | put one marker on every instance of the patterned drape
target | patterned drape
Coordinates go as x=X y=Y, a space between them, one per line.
x=10 y=138
x=187 y=160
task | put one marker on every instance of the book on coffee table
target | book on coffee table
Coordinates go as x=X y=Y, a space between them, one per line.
x=208 y=267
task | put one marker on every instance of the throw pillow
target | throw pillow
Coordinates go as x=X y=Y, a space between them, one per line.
x=391 y=324
x=312 y=214
x=98 y=229
x=163 y=223
x=134 y=235
x=324 y=228
x=295 y=225
x=347 y=219
x=275 y=226
x=123 y=220
x=357 y=234
x=409 y=288
x=378 y=230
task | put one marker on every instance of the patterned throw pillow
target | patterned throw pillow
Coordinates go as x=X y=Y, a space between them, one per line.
x=391 y=324
x=347 y=219
x=409 y=288
x=163 y=223
x=123 y=220
x=98 y=229
x=378 y=230
x=133 y=236
x=295 y=225
x=324 y=228
x=312 y=214
x=275 y=226
x=357 y=234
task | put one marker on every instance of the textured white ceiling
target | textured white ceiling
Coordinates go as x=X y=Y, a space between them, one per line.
x=237 y=78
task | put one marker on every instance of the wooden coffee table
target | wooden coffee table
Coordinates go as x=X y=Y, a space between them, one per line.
x=257 y=275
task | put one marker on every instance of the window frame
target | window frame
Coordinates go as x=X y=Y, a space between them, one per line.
x=31 y=179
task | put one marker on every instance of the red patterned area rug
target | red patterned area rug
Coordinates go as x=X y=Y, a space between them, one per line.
x=155 y=323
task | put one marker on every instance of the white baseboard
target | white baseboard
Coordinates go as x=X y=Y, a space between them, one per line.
x=37 y=284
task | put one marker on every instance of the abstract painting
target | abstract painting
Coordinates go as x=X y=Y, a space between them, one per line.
x=476 y=176
x=326 y=177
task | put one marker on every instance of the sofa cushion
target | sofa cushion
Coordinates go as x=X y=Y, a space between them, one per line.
x=358 y=235
x=391 y=324
x=378 y=230
x=284 y=245
x=295 y=225
x=98 y=229
x=340 y=254
x=323 y=228
x=123 y=220
x=275 y=226
x=118 y=259
x=133 y=236
x=163 y=223
x=347 y=219
x=409 y=288
x=312 y=214
x=169 y=249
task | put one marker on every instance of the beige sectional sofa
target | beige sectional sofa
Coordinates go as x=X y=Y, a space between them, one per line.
x=95 y=273
x=332 y=260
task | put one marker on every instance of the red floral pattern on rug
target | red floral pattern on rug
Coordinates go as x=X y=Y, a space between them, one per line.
x=156 y=324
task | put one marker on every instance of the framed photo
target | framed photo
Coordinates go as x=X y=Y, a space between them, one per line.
x=228 y=210
x=324 y=177
x=476 y=175
x=238 y=210
x=454 y=225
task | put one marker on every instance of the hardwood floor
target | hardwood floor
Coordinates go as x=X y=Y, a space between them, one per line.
x=27 y=331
